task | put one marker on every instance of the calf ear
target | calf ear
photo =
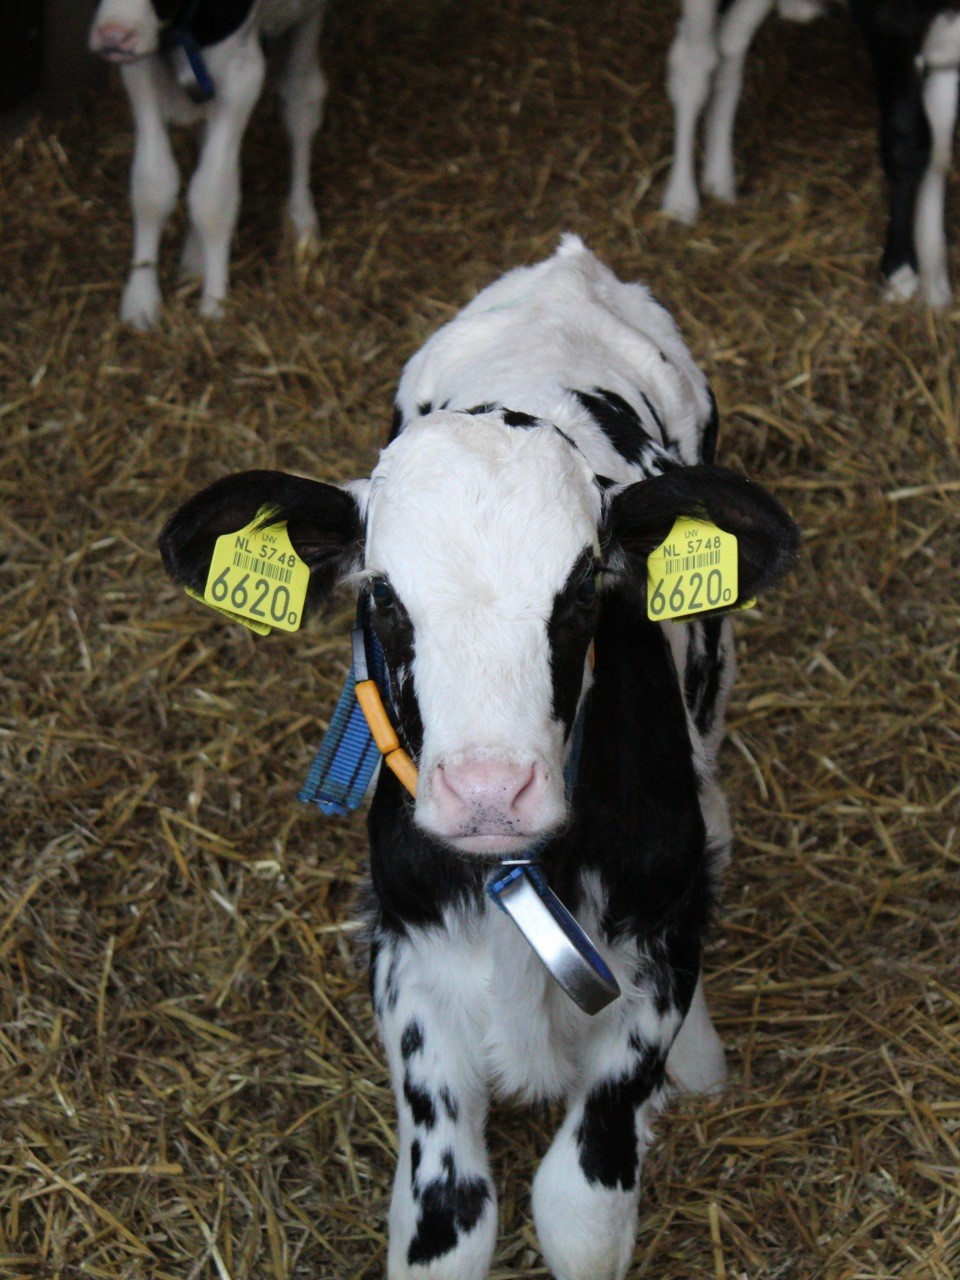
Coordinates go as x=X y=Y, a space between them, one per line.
x=641 y=516
x=323 y=523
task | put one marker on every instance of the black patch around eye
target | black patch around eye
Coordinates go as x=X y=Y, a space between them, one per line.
x=488 y=407
x=393 y=628
x=569 y=632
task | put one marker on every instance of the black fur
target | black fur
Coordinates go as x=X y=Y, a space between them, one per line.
x=618 y=421
x=208 y=21
x=449 y=1205
x=606 y=1135
x=569 y=631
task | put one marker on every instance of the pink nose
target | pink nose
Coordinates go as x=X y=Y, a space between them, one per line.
x=113 y=37
x=486 y=797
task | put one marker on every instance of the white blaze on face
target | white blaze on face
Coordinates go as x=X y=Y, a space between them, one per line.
x=123 y=30
x=477 y=527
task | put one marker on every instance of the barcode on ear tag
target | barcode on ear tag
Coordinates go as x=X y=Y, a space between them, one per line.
x=256 y=575
x=692 y=571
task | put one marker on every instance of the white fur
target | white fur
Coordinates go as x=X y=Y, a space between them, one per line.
x=451 y=514
x=237 y=67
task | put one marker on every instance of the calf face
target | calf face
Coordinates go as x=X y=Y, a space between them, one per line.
x=480 y=546
x=124 y=30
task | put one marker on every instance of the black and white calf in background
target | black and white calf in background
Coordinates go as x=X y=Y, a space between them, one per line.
x=544 y=443
x=201 y=62
x=914 y=46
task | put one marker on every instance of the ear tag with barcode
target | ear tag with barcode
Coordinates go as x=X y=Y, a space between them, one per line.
x=256 y=574
x=694 y=569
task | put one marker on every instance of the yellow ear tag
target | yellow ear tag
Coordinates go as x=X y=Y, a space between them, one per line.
x=256 y=575
x=693 y=570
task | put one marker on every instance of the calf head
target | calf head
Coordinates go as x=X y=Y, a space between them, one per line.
x=484 y=550
x=124 y=30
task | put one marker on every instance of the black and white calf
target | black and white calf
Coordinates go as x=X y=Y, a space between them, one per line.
x=914 y=46
x=223 y=39
x=544 y=443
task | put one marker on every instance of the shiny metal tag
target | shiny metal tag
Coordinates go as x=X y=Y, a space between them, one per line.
x=574 y=962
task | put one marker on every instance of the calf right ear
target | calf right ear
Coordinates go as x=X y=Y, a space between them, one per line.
x=323 y=523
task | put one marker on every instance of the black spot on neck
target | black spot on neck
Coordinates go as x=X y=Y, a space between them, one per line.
x=619 y=422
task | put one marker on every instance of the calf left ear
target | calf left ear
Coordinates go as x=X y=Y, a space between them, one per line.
x=323 y=523
x=641 y=516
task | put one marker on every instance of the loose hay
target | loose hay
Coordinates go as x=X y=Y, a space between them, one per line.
x=192 y=1083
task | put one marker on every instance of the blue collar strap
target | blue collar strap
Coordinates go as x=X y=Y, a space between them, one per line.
x=345 y=763
x=189 y=66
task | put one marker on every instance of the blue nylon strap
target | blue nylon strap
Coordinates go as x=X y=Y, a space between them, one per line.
x=347 y=757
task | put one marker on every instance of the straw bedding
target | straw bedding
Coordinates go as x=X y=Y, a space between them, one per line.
x=191 y=1082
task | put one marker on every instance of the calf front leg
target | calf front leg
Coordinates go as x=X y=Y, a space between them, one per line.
x=692 y=58
x=586 y=1191
x=443 y=1213
x=940 y=105
x=214 y=195
x=304 y=91
x=737 y=29
x=154 y=182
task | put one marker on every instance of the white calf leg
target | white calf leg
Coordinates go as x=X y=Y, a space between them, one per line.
x=214 y=195
x=696 y=1061
x=443 y=1212
x=693 y=56
x=586 y=1191
x=737 y=29
x=154 y=182
x=304 y=91
x=940 y=104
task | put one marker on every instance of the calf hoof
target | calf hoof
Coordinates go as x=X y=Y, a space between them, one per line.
x=141 y=304
x=680 y=204
x=211 y=308
x=720 y=184
x=902 y=285
x=936 y=291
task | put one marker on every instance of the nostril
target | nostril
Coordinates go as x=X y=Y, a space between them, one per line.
x=526 y=789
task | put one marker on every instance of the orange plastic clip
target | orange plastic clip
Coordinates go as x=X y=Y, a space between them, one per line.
x=384 y=734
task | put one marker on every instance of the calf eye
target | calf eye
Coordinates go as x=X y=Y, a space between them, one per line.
x=587 y=591
x=383 y=596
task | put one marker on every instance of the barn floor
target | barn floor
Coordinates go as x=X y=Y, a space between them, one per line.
x=192 y=1085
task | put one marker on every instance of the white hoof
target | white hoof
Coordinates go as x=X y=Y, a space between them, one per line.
x=680 y=207
x=902 y=285
x=721 y=186
x=141 y=304
x=936 y=291
x=211 y=308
